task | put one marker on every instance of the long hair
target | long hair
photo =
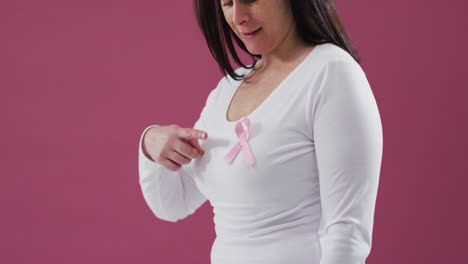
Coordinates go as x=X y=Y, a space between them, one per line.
x=317 y=22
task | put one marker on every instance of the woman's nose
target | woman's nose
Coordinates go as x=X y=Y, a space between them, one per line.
x=240 y=14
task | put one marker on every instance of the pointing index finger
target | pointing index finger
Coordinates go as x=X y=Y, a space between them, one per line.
x=190 y=133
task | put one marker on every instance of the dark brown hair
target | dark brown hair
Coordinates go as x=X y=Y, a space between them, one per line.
x=317 y=22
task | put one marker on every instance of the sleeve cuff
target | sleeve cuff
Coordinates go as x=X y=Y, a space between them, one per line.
x=144 y=160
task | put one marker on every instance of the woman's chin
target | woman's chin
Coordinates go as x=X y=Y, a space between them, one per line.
x=254 y=50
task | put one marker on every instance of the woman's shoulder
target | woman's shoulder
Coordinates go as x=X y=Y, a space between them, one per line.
x=224 y=85
x=329 y=52
x=334 y=59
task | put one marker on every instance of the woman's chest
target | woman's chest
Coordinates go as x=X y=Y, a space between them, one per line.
x=284 y=158
x=250 y=94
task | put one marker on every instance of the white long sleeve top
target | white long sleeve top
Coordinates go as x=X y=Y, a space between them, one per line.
x=310 y=196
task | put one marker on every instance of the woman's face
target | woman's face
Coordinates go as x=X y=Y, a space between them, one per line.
x=270 y=20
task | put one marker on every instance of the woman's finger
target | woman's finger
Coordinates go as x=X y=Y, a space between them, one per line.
x=185 y=149
x=178 y=158
x=170 y=164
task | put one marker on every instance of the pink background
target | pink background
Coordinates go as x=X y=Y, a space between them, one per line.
x=80 y=80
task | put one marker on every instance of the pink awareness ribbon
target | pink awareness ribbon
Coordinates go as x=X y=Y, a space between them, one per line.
x=241 y=145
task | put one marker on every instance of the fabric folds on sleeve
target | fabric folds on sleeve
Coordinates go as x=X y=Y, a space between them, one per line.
x=348 y=140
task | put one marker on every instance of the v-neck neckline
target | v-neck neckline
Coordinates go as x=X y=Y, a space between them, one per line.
x=270 y=96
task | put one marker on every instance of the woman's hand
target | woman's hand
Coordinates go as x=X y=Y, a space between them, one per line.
x=173 y=146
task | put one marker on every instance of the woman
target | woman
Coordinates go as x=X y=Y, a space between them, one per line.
x=290 y=147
